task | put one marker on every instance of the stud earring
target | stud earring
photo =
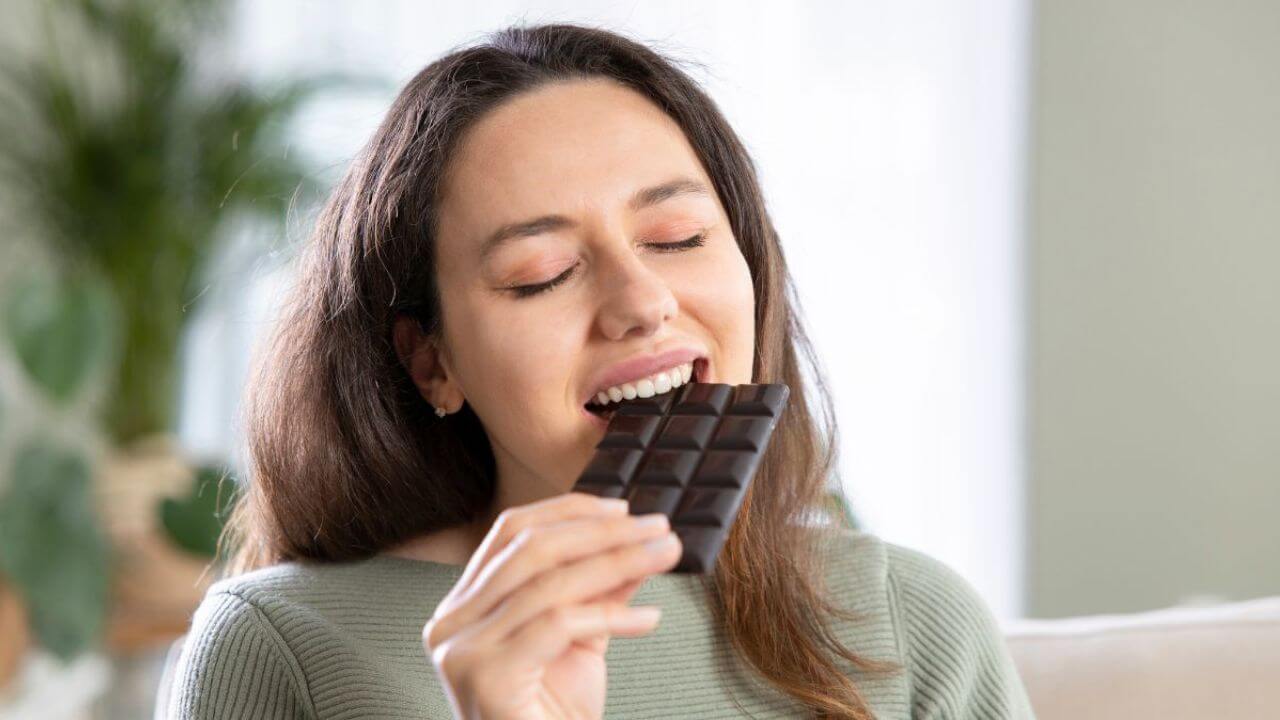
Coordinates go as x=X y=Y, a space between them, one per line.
x=440 y=412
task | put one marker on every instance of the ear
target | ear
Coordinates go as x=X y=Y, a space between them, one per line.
x=418 y=356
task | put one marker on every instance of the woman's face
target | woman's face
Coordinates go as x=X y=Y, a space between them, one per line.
x=579 y=150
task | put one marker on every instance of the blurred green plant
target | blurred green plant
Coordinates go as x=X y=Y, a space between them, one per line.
x=60 y=327
x=195 y=522
x=52 y=548
x=127 y=159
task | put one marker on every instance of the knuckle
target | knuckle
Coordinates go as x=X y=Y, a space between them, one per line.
x=451 y=659
x=528 y=545
x=507 y=525
x=488 y=685
x=559 y=618
x=524 y=537
x=431 y=632
x=540 y=586
x=536 y=545
x=586 y=501
x=427 y=631
x=505 y=517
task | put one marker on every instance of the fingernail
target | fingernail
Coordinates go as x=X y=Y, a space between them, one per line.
x=660 y=544
x=614 y=504
x=651 y=520
x=646 y=614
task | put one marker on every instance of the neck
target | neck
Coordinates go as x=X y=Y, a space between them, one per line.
x=450 y=546
x=455 y=545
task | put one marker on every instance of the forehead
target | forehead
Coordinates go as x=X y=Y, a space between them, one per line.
x=559 y=149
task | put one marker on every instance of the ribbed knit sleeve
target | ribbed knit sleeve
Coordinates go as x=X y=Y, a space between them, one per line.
x=960 y=666
x=234 y=664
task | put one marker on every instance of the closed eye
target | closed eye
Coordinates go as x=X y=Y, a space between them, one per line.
x=524 y=291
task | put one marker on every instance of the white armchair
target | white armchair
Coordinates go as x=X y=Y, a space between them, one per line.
x=1220 y=661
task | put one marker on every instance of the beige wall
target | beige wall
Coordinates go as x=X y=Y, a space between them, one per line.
x=1154 y=283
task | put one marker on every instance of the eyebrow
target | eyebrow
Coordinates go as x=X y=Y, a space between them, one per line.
x=643 y=198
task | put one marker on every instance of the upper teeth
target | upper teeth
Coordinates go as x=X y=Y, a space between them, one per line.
x=647 y=387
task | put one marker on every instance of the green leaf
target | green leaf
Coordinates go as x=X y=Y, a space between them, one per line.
x=60 y=331
x=838 y=503
x=53 y=550
x=195 y=522
x=140 y=179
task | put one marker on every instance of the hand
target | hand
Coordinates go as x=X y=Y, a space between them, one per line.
x=523 y=633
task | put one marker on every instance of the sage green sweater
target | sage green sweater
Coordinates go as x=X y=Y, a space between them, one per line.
x=344 y=641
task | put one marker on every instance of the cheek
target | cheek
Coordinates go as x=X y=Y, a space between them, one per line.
x=506 y=348
x=520 y=360
x=723 y=300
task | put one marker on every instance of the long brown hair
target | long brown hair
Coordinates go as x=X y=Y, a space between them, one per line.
x=347 y=459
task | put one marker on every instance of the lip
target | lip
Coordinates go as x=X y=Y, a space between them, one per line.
x=702 y=372
x=641 y=366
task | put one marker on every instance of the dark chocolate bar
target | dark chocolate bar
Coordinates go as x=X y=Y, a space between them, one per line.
x=690 y=454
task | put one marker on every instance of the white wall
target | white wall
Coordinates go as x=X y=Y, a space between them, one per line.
x=890 y=140
x=1155 y=380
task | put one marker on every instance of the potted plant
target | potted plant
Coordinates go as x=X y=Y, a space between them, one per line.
x=124 y=163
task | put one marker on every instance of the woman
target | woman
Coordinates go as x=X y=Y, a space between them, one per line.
x=531 y=212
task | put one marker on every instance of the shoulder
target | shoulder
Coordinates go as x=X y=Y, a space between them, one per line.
x=243 y=646
x=273 y=583
x=233 y=655
x=955 y=652
x=928 y=618
x=857 y=568
x=329 y=590
x=286 y=640
x=914 y=585
x=923 y=586
x=868 y=559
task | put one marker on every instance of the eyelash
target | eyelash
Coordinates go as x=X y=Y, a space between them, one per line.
x=525 y=291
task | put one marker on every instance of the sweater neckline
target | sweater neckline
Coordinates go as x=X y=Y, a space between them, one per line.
x=432 y=565
x=453 y=572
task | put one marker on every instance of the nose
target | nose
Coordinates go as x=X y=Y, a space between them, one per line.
x=635 y=298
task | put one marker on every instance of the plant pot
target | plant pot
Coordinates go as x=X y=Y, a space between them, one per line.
x=155 y=585
x=14 y=636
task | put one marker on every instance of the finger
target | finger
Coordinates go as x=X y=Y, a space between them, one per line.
x=573 y=584
x=538 y=549
x=546 y=637
x=512 y=520
x=620 y=594
x=543 y=548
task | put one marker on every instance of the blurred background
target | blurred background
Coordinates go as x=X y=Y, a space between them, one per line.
x=1037 y=245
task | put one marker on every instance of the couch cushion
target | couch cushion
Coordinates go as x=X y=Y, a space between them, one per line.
x=1220 y=661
